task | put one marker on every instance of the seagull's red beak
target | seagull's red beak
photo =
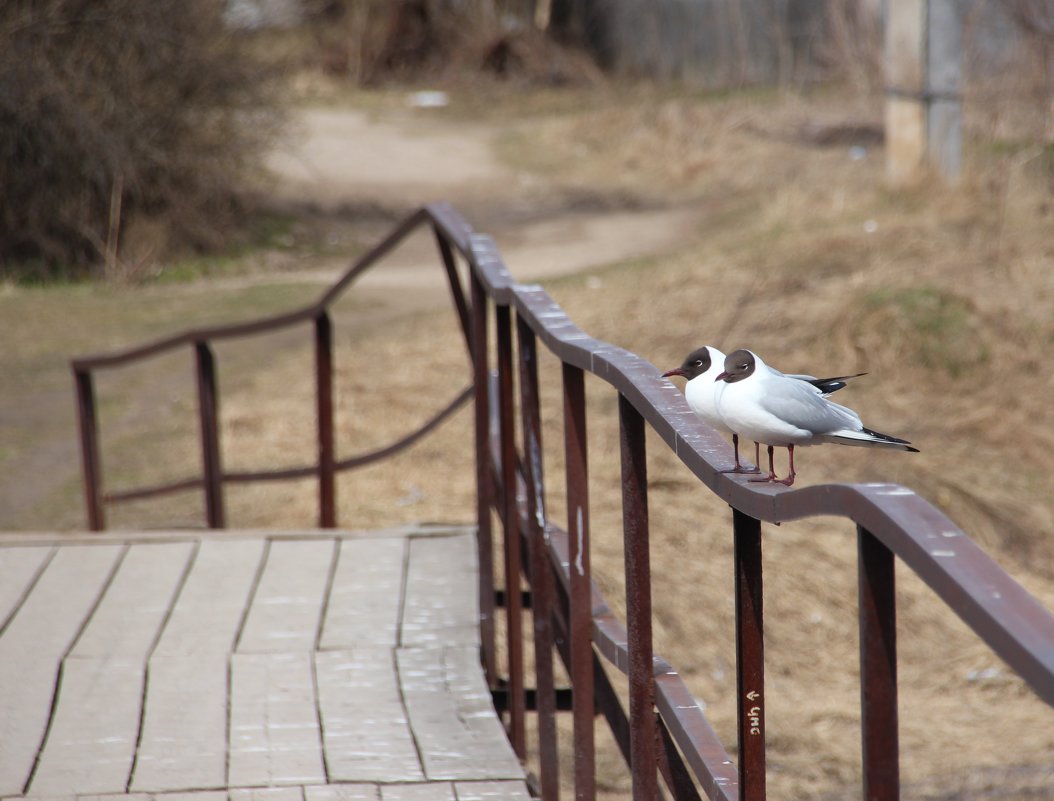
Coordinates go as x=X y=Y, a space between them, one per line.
x=674 y=371
x=721 y=377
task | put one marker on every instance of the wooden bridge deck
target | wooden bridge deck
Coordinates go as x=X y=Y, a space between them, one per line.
x=247 y=666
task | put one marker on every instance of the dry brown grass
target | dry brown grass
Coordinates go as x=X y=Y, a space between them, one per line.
x=946 y=297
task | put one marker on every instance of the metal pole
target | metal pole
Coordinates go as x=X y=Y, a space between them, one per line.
x=643 y=733
x=89 y=431
x=208 y=411
x=581 y=614
x=750 y=656
x=542 y=589
x=327 y=484
x=513 y=598
x=456 y=292
x=484 y=481
x=878 y=668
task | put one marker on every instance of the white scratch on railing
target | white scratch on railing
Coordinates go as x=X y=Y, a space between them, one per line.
x=942 y=553
x=578 y=530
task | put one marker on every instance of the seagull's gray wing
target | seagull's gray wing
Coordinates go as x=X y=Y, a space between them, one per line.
x=802 y=405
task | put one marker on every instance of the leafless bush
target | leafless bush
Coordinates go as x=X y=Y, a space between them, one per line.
x=852 y=47
x=370 y=41
x=117 y=113
x=1035 y=19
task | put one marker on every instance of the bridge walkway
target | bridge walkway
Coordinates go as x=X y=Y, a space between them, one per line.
x=247 y=666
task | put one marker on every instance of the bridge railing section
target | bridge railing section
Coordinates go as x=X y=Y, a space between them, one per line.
x=662 y=732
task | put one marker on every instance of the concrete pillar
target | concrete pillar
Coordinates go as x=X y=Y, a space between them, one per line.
x=923 y=104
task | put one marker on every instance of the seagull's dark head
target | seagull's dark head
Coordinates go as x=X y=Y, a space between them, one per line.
x=695 y=363
x=739 y=364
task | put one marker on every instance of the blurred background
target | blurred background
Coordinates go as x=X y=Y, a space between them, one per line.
x=841 y=186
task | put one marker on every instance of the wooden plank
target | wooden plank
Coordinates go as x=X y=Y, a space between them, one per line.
x=274 y=731
x=183 y=743
x=441 y=606
x=9 y=539
x=366 y=732
x=91 y=745
x=212 y=603
x=32 y=647
x=200 y=795
x=492 y=791
x=287 y=607
x=91 y=742
x=342 y=792
x=452 y=716
x=432 y=791
x=366 y=596
x=130 y=615
x=18 y=569
x=268 y=794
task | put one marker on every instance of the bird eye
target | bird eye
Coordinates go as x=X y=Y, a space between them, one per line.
x=697 y=363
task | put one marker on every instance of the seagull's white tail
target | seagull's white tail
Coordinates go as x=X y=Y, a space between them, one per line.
x=866 y=438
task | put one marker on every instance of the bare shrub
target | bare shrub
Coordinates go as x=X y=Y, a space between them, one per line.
x=371 y=41
x=852 y=47
x=1035 y=19
x=116 y=112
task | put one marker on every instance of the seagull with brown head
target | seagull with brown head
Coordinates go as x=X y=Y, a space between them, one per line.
x=777 y=410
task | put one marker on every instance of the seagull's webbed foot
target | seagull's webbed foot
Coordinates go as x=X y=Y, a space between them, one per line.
x=772 y=473
x=789 y=480
x=739 y=468
x=790 y=476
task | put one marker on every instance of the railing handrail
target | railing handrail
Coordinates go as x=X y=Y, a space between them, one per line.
x=261 y=325
x=891 y=520
x=450 y=228
x=1017 y=627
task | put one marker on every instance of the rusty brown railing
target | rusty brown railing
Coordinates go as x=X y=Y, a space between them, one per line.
x=213 y=476
x=664 y=732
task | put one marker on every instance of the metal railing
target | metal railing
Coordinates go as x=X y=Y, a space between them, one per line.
x=664 y=732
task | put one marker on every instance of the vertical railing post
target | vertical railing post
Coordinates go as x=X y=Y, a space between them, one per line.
x=750 y=656
x=643 y=732
x=542 y=584
x=484 y=481
x=89 y=431
x=327 y=472
x=581 y=614
x=208 y=411
x=878 y=668
x=457 y=295
x=510 y=507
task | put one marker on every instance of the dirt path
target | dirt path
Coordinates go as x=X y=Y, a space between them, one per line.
x=344 y=158
x=340 y=161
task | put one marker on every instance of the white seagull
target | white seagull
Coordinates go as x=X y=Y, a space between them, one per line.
x=769 y=407
x=702 y=366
